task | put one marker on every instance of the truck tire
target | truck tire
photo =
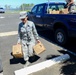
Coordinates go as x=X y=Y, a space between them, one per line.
x=60 y=36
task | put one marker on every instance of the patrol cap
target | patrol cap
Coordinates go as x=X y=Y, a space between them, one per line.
x=23 y=14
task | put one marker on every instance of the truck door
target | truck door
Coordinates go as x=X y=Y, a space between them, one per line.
x=32 y=14
x=39 y=15
x=48 y=17
x=36 y=14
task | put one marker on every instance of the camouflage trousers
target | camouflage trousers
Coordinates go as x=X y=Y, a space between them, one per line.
x=27 y=50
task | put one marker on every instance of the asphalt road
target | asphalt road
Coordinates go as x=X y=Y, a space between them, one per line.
x=9 y=22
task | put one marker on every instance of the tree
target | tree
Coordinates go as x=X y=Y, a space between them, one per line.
x=7 y=7
x=26 y=6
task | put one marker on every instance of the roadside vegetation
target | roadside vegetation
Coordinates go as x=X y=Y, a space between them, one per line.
x=22 y=7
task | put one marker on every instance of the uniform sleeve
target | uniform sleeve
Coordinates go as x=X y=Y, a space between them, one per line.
x=35 y=31
x=19 y=35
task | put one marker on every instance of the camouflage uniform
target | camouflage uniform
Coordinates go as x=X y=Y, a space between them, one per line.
x=27 y=35
x=72 y=7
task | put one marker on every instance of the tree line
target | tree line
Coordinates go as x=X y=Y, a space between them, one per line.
x=26 y=6
x=21 y=7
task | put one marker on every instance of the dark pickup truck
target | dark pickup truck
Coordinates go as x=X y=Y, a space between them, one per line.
x=63 y=25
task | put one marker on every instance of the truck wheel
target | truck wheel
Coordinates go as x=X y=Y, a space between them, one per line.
x=60 y=36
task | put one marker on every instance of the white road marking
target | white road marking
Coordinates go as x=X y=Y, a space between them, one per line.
x=2 y=17
x=8 y=33
x=1 y=73
x=42 y=65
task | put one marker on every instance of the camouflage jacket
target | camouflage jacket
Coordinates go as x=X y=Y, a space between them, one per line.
x=27 y=32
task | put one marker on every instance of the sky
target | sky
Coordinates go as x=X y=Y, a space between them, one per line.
x=16 y=3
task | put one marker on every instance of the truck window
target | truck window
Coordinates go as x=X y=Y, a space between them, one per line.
x=56 y=7
x=34 y=9
x=40 y=9
x=53 y=7
x=61 y=7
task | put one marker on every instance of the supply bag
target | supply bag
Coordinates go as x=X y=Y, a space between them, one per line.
x=17 y=51
x=39 y=48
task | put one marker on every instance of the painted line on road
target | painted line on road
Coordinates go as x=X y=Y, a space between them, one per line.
x=8 y=33
x=2 y=17
x=42 y=65
x=1 y=73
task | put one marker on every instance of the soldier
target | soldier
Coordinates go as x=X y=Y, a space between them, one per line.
x=27 y=34
x=71 y=4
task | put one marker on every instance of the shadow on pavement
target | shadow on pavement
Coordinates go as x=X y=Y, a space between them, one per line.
x=17 y=60
x=33 y=58
x=51 y=56
x=69 y=67
x=21 y=60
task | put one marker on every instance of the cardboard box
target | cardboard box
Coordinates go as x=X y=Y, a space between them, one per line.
x=65 y=11
x=39 y=48
x=17 y=51
x=54 y=12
